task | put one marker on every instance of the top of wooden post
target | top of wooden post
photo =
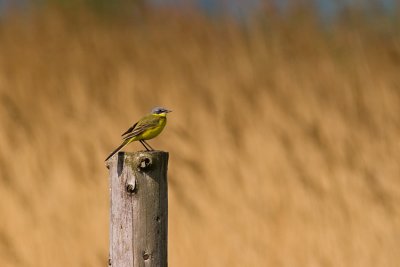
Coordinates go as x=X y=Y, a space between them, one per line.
x=139 y=159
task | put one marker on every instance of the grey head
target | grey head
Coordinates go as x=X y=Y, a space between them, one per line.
x=159 y=110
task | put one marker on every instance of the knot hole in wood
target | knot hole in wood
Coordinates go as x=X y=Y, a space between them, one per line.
x=144 y=163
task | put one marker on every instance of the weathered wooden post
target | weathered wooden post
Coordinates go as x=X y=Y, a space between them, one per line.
x=139 y=209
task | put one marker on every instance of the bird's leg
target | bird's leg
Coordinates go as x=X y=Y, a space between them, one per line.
x=148 y=145
x=143 y=143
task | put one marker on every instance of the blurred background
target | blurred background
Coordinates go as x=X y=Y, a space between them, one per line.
x=284 y=141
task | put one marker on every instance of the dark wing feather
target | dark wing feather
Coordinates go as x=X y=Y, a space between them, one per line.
x=144 y=124
x=129 y=130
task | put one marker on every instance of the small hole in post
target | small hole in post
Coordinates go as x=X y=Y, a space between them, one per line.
x=146 y=256
x=130 y=188
x=144 y=163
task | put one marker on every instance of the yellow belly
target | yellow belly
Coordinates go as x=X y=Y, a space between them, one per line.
x=151 y=133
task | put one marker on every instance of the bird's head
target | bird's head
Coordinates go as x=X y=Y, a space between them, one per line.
x=160 y=111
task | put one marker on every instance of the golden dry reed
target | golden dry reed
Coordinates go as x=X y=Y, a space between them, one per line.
x=284 y=141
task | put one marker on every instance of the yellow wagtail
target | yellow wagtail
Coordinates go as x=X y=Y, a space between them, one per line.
x=146 y=128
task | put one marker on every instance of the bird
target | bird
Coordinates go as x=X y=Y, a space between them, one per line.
x=146 y=128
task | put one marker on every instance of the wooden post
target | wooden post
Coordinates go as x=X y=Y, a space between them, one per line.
x=139 y=209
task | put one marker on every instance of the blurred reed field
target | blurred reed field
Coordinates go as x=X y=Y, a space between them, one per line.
x=284 y=141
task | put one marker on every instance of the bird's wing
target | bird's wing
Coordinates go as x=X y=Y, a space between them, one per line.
x=144 y=124
x=129 y=130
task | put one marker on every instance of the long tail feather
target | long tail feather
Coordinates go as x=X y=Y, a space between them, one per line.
x=118 y=149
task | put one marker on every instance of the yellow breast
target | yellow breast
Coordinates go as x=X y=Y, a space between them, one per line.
x=153 y=132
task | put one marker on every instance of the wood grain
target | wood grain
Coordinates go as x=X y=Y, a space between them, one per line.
x=139 y=209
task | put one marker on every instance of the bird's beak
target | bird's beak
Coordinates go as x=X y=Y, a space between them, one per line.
x=168 y=111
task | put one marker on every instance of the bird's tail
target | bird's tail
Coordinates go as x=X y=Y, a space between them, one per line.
x=118 y=149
